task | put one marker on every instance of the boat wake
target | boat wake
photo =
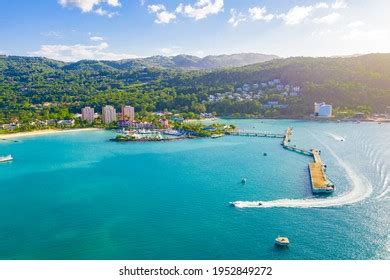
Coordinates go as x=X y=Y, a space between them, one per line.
x=336 y=137
x=359 y=190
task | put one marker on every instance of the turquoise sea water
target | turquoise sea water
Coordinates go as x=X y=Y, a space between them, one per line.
x=79 y=196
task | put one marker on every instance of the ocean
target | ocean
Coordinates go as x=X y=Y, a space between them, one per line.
x=79 y=196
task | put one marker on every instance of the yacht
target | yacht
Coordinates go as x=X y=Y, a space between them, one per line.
x=217 y=135
x=172 y=132
x=6 y=158
x=282 y=241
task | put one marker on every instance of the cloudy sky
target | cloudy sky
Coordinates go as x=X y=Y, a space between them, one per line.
x=71 y=30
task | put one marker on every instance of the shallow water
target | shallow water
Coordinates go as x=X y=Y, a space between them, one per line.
x=79 y=196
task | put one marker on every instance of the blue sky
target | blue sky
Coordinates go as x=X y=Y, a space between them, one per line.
x=71 y=30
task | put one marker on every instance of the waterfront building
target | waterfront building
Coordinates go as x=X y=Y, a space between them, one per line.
x=108 y=114
x=128 y=113
x=66 y=122
x=323 y=110
x=88 y=114
x=164 y=123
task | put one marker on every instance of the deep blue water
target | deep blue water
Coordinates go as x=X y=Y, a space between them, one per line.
x=79 y=196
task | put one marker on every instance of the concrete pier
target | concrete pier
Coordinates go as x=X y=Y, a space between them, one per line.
x=320 y=183
x=255 y=134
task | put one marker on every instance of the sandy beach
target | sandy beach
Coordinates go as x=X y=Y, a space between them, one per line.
x=43 y=132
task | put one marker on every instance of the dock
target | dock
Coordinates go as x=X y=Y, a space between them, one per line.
x=286 y=140
x=320 y=183
x=254 y=134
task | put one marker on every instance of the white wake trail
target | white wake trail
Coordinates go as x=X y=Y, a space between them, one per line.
x=336 y=137
x=360 y=189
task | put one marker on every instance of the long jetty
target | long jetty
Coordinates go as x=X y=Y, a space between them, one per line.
x=317 y=170
x=254 y=134
x=286 y=144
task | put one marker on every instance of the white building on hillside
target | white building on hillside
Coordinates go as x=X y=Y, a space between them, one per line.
x=323 y=110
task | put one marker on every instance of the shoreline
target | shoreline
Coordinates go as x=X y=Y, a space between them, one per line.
x=44 y=132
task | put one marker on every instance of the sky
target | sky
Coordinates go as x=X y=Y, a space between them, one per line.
x=71 y=30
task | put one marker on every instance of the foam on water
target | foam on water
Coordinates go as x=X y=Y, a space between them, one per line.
x=336 y=137
x=360 y=189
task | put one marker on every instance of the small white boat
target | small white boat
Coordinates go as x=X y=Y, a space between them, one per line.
x=282 y=241
x=6 y=158
x=217 y=135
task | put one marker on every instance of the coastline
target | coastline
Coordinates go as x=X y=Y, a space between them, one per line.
x=44 y=132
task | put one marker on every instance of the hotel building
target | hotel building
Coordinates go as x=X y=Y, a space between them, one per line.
x=88 y=114
x=128 y=113
x=108 y=114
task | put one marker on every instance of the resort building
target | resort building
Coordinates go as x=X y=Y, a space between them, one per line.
x=164 y=123
x=88 y=114
x=128 y=113
x=66 y=122
x=108 y=114
x=323 y=110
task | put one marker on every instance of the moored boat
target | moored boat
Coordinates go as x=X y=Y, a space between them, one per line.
x=217 y=135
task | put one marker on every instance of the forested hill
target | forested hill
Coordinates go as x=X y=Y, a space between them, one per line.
x=349 y=81
x=189 y=62
x=26 y=83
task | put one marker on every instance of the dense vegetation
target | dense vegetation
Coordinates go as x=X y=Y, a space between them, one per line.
x=40 y=88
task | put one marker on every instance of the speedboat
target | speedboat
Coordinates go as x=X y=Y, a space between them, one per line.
x=6 y=158
x=243 y=181
x=282 y=241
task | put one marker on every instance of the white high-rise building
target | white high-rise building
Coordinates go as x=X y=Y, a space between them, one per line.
x=323 y=110
x=108 y=114
x=88 y=114
x=128 y=113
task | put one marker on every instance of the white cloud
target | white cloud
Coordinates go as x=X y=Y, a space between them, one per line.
x=296 y=15
x=162 y=15
x=96 y=38
x=87 y=6
x=260 y=13
x=356 y=34
x=339 y=4
x=236 y=18
x=359 y=31
x=156 y=8
x=356 y=24
x=52 y=33
x=102 y=12
x=170 y=51
x=328 y=19
x=78 y=52
x=322 y=5
x=201 y=9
